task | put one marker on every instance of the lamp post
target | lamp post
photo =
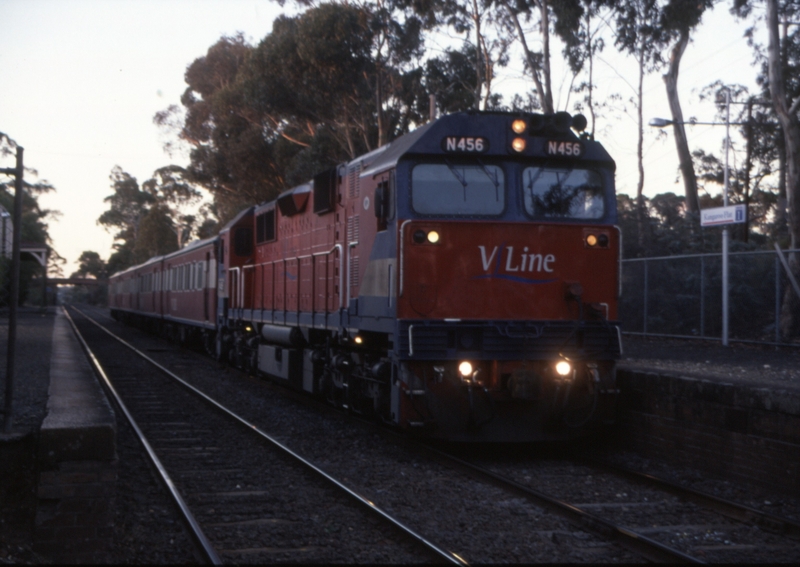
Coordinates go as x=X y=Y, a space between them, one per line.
x=663 y=122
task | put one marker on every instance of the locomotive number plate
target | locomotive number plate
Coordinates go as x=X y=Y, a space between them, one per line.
x=465 y=144
x=559 y=148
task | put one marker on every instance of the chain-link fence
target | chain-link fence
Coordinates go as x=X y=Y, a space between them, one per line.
x=681 y=296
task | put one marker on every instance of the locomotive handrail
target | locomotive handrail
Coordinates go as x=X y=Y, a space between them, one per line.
x=303 y=257
x=230 y=289
x=402 y=249
x=341 y=275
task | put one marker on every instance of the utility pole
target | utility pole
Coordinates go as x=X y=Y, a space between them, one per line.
x=14 y=295
x=725 y=239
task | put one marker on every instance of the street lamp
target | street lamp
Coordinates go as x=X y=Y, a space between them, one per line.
x=663 y=122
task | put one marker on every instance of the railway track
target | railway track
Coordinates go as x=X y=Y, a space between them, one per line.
x=493 y=510
x=656 y=518
x=237 y=496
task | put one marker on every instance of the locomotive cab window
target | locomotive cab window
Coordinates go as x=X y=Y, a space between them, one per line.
x=243 y=241
x=561 y=192
x=265 y=227
x=458 y=189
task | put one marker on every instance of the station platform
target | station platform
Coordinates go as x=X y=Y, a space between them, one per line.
x=732 y=412
x=60 y=457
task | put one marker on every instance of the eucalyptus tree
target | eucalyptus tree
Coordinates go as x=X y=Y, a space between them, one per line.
x=582 y=47
x=150 y=220
x=563 y=16
x=452 y=78
x=127 y=206
x=231 y=154
x=175 y=194
x=678 y=19
x=639 y=33
x=311 y=74
x=91 y=264
x=786 y=103
x=780 y=78
x=473 y=65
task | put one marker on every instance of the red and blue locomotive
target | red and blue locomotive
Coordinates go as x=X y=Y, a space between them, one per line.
x=461 y=281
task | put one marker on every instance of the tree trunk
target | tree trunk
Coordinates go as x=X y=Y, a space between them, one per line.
x=787 y=116
x=590 y=52
x=748 y=161
x=545 y=98
x=640 y=152
x=379 y=108
x=681 y=142
x=548 y=87
x=478 y=47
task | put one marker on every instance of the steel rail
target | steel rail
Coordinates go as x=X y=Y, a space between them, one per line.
x=194 y=527
x=734 y=510
x=633 y=541
x=446 y=555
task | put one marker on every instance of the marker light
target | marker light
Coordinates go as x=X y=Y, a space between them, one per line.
x=597 y=240
x=518 y=126
x=465 y=368
x=433 y=237
x=563 y=368
x=358 y=340
x=518 y=144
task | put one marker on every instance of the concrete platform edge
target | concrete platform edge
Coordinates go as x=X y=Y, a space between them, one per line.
x=734 y=430
x=77 y=458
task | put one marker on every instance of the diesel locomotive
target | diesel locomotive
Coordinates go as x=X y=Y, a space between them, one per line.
x=461 y=282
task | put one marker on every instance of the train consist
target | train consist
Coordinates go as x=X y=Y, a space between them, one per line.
x=461 y=281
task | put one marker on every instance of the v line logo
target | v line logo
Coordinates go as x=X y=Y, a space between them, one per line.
x=505 y=264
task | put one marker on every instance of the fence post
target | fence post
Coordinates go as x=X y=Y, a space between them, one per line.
x=702 y=296
x=645 y=298
x=777 y=299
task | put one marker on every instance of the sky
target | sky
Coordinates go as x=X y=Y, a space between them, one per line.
x=82 y=79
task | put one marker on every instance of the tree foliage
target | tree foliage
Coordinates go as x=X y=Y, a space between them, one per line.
x=153 y=219
x=35 y=222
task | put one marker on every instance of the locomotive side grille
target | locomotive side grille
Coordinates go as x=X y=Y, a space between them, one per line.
x=352 y=228
x=502 y=340
x=354 y=271
x=353 y=181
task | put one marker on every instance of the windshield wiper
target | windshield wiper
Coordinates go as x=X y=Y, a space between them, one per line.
x=492 y=177
x=461 y=179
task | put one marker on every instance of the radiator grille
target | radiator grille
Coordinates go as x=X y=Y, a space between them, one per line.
x=503 y=340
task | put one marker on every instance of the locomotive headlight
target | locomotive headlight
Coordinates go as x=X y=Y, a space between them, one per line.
x=420 y=236
x=465 y=369
x=518 y=144
x=591 y=240
x=358 y=340
x=518 y=126
x=563 y=368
